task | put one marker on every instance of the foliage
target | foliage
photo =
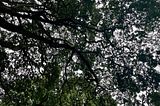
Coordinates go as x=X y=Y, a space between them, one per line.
x=79 y=52
x=155 y=98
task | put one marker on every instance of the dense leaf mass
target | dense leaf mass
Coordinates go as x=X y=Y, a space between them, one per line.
x=79 y=52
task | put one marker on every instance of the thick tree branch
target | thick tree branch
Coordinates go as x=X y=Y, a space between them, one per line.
x=88 y=66
x=15 y=48
x=19 y=29
x=14 y=28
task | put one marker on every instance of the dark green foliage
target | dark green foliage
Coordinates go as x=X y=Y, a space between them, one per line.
x=155 y=98
x=79 y=52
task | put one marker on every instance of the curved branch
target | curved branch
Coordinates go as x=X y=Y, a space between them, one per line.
x=88 y=65
x=15 y=48
x=19 y=29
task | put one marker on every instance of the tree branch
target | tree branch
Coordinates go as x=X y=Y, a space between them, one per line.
x=88 y=65
x=19 y=29
x=15 y=48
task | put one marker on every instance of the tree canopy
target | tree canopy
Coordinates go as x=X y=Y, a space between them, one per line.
x=79 y=52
